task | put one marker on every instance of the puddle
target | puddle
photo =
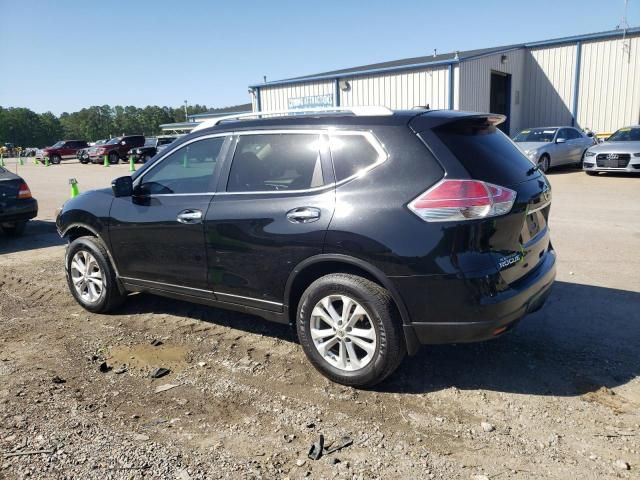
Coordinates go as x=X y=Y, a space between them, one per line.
x=147 y=357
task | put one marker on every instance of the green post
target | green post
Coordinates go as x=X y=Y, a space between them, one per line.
x=106 y=161
x=21 y=161
x=46 y=161
x=75 y=191
x=185 y=162
x=132 y=166
x=1 y=160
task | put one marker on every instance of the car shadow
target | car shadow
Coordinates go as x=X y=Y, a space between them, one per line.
x=584 y=338
x=37 y=234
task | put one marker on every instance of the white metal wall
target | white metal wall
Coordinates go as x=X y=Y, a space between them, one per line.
x=609 y=92
x=399 y=90
x=475 y=83
x=548 y=86
x=276 y=98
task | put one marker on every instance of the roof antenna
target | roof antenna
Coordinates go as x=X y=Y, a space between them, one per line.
x=435 y=53
x=457 y=57
x=264 y=78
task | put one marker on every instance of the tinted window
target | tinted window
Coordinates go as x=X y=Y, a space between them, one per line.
x=564 y=133
x=486 y=153
x=276 y=162
x=573 y=134
x=626 y=135
x=187 y=170
x=351 y=154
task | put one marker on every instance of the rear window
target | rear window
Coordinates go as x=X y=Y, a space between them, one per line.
x=486 y=153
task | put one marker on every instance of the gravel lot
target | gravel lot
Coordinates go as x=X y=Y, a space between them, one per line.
x=559 y=397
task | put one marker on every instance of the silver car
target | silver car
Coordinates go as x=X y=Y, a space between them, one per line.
x=619 y=153
x=552 y=146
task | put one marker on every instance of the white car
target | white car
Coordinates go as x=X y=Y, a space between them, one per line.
x=619 y=153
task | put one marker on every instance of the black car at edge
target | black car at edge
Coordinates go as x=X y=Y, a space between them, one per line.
x=17 y=206
x=370 y=231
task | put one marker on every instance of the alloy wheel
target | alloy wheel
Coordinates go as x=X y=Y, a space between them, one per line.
x=343 y=333
x=87 y=277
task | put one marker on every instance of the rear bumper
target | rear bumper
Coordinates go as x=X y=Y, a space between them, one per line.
x=481 y=317
x=21 y=211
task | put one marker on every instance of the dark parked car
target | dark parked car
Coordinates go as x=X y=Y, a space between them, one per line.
x=83 y=154
x=17 y=206
x=62 y=150
x=152 y=145
x=372 y=231
x=116 y=149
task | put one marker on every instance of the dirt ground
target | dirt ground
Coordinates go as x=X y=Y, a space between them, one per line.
x=558 y=397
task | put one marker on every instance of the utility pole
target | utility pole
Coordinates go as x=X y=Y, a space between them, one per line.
x=185 y=112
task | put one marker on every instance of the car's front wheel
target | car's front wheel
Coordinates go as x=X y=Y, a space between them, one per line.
x=350 y=330
x=544 y=163
x=91 y=277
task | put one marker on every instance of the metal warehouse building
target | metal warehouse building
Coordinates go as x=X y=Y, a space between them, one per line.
x=591 y=81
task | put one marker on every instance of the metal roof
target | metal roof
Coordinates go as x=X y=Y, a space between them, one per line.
x=443 y=59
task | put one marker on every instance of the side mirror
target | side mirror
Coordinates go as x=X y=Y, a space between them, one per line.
x=122 y=187
x=561 y=140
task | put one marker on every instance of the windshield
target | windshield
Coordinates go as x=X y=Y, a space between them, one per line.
x=150 y=142
x=113 y=141
x=536 y=135
x=626 y=135
x=100 y=142
x=58 y=144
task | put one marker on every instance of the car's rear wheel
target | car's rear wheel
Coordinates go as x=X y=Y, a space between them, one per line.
x=114 y=158
x=350 y=330
x=14 y=229
x=55 y=159
x=580 y=163
x=544 y=163
x=91 y=277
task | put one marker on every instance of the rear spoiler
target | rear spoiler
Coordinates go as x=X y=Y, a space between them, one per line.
x=456 y=119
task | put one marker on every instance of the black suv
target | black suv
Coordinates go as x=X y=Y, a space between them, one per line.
x=370 y=232
x=152 y=145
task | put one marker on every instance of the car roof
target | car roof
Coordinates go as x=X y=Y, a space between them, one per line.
x=333 y=119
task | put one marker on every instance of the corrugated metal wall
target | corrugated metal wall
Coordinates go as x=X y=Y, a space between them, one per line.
x=399 y=91
x=548 y=85
x=276 y=98
x=609 y=93
x=475 y=83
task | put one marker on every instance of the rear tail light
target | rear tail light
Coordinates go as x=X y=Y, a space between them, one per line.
x=451 y=200
x=23 y=191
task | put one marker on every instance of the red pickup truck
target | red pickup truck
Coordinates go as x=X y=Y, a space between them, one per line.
x=64 y=149
x=116 y=149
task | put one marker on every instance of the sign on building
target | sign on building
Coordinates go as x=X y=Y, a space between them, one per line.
x=311 y=101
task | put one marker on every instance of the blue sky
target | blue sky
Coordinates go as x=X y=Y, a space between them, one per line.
x=67 y=54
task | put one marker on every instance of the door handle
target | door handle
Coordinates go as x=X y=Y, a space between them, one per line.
x=190 y=216
x=303 y=215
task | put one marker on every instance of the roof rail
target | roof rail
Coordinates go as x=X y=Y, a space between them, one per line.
x=357 y=111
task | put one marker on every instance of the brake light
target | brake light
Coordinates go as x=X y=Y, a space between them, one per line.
x=451 y=200
x=23 y=191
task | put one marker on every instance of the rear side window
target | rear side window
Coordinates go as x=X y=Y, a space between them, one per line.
x=276 y=162
x=351 y=154
x=486 y=153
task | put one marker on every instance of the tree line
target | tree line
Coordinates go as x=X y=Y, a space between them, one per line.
x=25 y=128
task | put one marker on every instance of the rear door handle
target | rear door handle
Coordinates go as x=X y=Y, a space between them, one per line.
x=303 y=215
x=190 y=216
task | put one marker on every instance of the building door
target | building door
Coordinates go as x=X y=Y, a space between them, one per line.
x=500 y=97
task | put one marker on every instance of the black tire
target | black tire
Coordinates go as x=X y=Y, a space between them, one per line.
x=110 y=297
x=377 y=302
x=545 y=163
x=55 y=159
x=84 y=161
x=591 y=173
x=14 y=229
x=114 y=158
x=581 y=162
